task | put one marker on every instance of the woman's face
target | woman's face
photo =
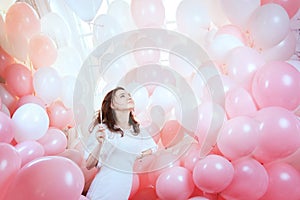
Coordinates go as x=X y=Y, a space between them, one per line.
x=122 y=100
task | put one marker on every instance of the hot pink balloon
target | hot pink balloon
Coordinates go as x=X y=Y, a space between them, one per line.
x=279 y=134
x=175 y=183
x=213 y=173
x=238 y=137
x=60 y=116
x=6 y=128
x=10 y=164
x=54 y=141
x=284 y=182
x=47 y=178
x=239 y=102
x=42 y=51
x=29 y=150
x=275 y=85
x=242 y=63
x=291 y=6
x=135 y=185
x=147 y=193
x=19 y=80
x=250 y=180
x=147 y=13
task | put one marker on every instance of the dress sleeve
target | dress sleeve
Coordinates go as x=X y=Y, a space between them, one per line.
x=91 y=143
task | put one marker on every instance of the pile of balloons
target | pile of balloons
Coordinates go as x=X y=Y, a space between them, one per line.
x=253 y=150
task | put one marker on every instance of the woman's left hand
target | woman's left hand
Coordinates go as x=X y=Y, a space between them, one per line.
x=145 y=153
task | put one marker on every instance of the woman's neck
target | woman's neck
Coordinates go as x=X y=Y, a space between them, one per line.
x=122 y=119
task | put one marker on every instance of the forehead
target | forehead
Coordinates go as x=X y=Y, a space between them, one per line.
x=119 y=92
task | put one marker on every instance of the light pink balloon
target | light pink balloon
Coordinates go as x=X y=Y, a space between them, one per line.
x=239 y=102
x=213 y=173
x=250 y=180
x=29 y=150
x=279 y=134
x=282 y=51
x=291 y=6
x=175 y=183
x=147 y=13
x=284 y=182
x=268 y=25
x=10 y=164
x=19 y=80
x=54 y=141
x=242 y=63
x=239 y=12
x=6 y=128
x=275 y=85
x=238 y=137
x=191 y=157
x=60 y=116
x=144 y=54
x=22 y=22
x=42 y=51
x=47 y=178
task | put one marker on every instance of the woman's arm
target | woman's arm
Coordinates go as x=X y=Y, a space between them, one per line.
x=92 y=160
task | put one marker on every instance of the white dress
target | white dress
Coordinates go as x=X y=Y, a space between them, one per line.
x=117 y=157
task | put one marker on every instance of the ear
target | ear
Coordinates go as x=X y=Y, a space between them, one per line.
x=112 y=106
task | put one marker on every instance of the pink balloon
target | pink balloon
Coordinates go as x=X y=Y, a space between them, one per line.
x=10 y=164
x=5 y=60
x=147 y=55
x=31 y=99
x=22 y=22
x=191 y=157
x=54 y=141
x=171 y=133
x=135 y=185
x=19 y=80
x=42 y=51
x=238 y=137
x=275 y=85
x=147 y=193
x=29 y=150
x=175 y=183
x=6 y=128
x=279 y=134
x=74 y=155
x=284 y=182
x=250 y=180
x=239 y=102
x=47 y=178
x=291 y=6
x=147 y=13
x=213 y=174
x=60 y=116
x=242 y=63
x=278 y=25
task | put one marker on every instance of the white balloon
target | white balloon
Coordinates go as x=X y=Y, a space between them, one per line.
x=120 y=10
x=55 y=27
x=31 y=122
x=86 y=10
x=68 y=62
x=47 y=84
x=68 y=86
x=141 y=99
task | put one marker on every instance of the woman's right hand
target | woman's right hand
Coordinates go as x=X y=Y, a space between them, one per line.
x=100 y=134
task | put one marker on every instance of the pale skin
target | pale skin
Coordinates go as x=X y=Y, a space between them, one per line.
x=122 y=104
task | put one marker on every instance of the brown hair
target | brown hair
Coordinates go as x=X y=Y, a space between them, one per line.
x=108 y=115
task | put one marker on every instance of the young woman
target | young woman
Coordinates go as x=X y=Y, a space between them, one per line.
x=114 y=144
